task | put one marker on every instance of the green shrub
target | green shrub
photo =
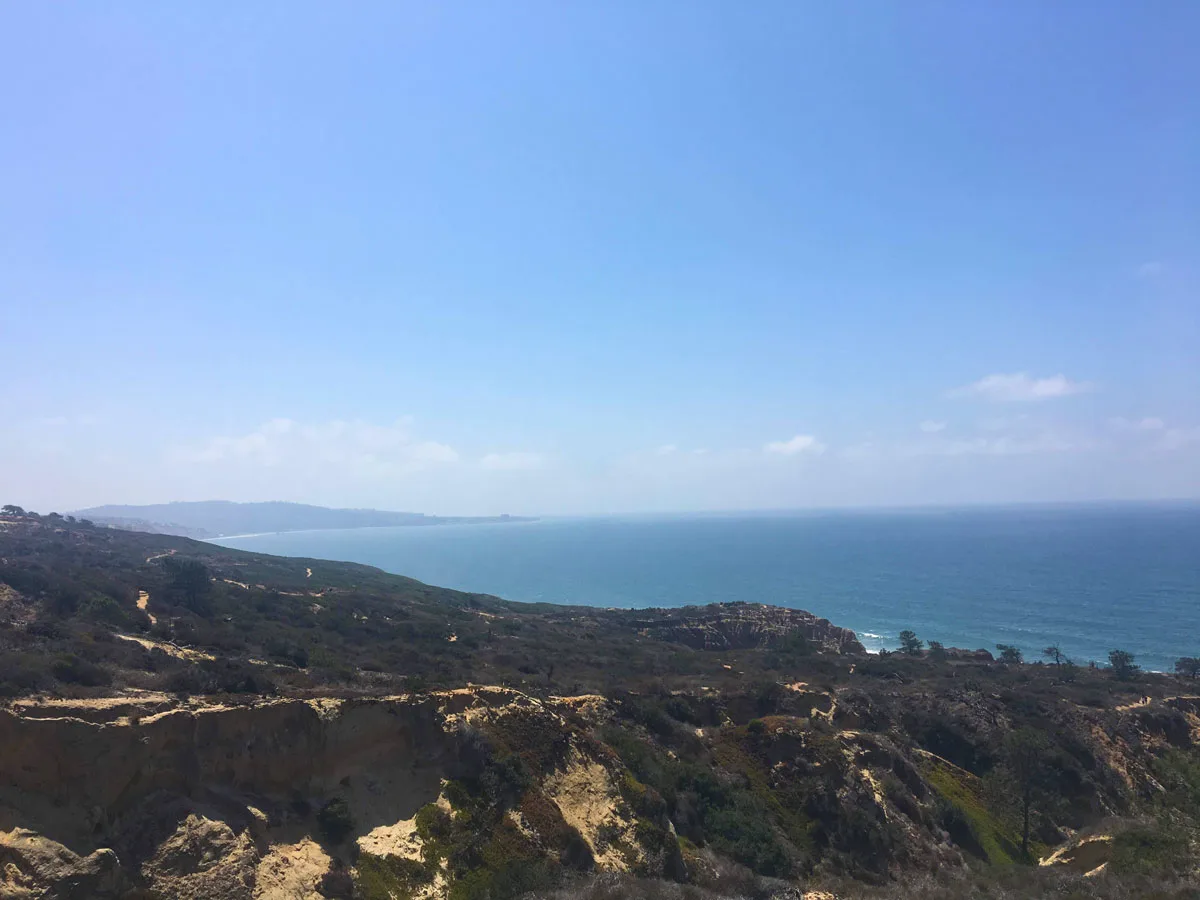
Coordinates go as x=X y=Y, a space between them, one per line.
x=22 y=673
x=73 y=670
x=962 y=804
x=335 y=821
x=1152 y=850
x=389 y=877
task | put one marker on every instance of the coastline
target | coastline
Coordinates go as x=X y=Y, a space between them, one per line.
x=1088 y=583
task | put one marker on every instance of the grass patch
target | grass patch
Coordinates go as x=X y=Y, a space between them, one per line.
x=962 y=791
x=735 y=752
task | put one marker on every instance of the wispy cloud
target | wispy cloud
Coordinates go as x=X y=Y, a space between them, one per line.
x=1020 y=387
x=801 y=443
x=283 y=442
x=931 y=427
x=1178 y=438
x=1149 y=423
x=1151 y=269
x=1153 y=433
x=1005 y=445
x=517 y=460
x=666 y=449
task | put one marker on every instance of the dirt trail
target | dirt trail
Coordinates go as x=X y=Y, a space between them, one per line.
x=168 y=648
x=1145 y=701
x=143 y=599
x=159 y=556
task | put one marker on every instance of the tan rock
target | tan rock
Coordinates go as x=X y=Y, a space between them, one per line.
x=35 y=866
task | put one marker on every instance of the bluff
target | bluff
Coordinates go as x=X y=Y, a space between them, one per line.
x=741 y=626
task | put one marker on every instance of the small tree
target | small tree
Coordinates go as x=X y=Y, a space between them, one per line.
x=937 y=652
x=1010 y=654
x=10 y=510
x=1054 y=654
x=910 y=643
x=1123 y=666
x=1021 y=778
x=190 y=578
x=1188 y=666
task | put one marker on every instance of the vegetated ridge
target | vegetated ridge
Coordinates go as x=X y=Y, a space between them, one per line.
x=184 y=720
x=214 y=518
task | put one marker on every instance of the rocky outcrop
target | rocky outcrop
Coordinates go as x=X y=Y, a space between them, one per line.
x=229 y=801
x=32 y=866
x=963 y=653
x=740 y=626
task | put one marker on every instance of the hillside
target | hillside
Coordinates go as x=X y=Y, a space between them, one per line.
x=184 y=720
x=214 y=518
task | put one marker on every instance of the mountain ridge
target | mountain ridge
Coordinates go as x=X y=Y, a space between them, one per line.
x=223 y=518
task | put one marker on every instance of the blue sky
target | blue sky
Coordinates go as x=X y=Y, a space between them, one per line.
x=563 y=258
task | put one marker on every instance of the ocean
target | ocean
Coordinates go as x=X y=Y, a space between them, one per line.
x=1086 y=578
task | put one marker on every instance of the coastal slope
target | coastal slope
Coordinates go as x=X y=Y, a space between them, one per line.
x=184 y=720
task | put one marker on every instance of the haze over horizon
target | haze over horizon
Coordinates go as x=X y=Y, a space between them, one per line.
x=632 y=258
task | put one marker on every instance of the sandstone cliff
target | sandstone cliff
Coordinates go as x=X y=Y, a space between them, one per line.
x=483 y=791
x=740 y=626
x=122 y=797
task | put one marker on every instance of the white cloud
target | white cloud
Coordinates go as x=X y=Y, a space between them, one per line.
x=1151 y=269
x=284 y=442
x=1163 y=436
x=1021 y=387
x=1000 y=446
x=1178 y=438
x=513 y=461
x=1004 y=423
x=801 y=443
x=1149 y=423
x=930 y=427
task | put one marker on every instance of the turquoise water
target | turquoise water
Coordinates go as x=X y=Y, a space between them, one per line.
x=1086 y=578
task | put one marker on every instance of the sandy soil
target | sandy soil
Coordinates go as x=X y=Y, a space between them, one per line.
x=588 y=800
x=142 y=601
x=169 y=649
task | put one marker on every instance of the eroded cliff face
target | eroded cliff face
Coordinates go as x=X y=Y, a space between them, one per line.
x=269 y=747
x=143 y=797
x=488 y=791
x=740 y=626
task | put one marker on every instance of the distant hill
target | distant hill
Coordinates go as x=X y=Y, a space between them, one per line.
x=214 y=518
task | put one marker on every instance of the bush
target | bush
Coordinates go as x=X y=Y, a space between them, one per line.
x=1152 y=850
x=1010 y=654
x=1123 y=666
x=335 y=821
x=104 y=609
x=22 y=673
x=73 y=670
x=1188 y=666
x=385 y=877
x=910 y=643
